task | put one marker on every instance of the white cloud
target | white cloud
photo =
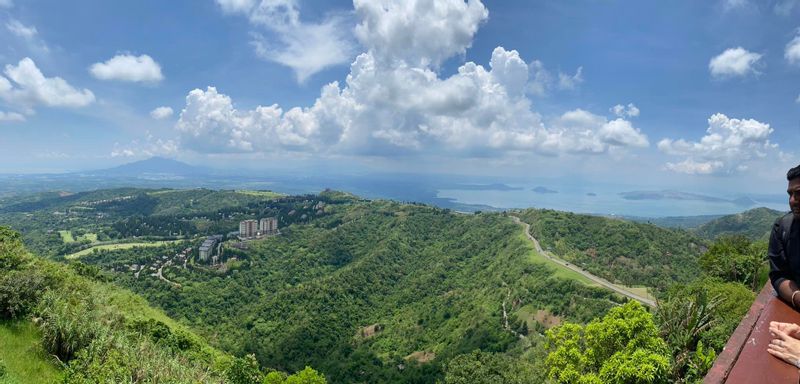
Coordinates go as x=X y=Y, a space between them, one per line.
x=798 y=99
x=692 y=167
x=418 y=32
x=6 y=4
x=734 y=62
x=11 y=117
x=128 y=68
x=566 y=81
x=148 y=147
x=161 y=113
x=792 y=53
x=542 y=81
x=729 y=144
x=399 y=109
x=32 y=88
x=18 y=29
x=620 y=110
x=394 y=102
x=284 y=38
x=236 y=6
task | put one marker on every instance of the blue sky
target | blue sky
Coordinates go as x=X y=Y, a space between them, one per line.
x=701 y=95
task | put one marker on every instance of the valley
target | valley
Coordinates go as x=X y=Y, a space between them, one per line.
x=361 y=290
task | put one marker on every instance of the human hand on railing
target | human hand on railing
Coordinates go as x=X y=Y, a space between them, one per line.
x=790 y=329
x=784 y=346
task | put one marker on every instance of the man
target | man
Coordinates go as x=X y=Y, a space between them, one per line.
x=784 y=273
x=784 y=246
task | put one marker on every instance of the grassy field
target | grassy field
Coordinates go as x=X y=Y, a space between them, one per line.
x=265 y=194
x=22 y=355
x=119 y=246
x=66 y=236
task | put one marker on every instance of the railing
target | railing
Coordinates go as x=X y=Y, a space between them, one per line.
x=744 y=358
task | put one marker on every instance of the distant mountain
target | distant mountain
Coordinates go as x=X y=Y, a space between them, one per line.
x=541 y=189
x=685 y=222
x=153 y=168
x=743 y=201
x=755 y=224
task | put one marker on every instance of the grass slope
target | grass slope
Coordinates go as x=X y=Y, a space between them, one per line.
x=22 y=354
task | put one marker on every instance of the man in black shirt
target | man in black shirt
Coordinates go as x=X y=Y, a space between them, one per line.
x=784 y=246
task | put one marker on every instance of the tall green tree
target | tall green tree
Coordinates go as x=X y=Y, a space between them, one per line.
x=622 y=347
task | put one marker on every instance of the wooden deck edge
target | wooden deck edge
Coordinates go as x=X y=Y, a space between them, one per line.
x=730 y=353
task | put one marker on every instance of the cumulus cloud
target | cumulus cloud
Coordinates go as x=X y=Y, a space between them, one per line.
x=727 y=146
x=729 y=5
x=31 y=88
x=399 y=109
x=150 y=146
x=394 y=102
x=620 y=110
x=418 y=32
x=11 y=117
x=281 y=36
x=161 y=113
x=734 y=62
x=792 y=53
x=127 y=67
x=6 y=3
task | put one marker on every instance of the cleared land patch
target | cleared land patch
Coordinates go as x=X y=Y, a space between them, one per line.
x=119 y=246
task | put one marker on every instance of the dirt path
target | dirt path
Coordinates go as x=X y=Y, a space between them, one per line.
x=599 y=280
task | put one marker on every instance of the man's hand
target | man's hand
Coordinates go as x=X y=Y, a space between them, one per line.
x=790 y=329
x=784 y=347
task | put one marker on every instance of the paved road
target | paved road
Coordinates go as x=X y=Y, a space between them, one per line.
x=596 y=279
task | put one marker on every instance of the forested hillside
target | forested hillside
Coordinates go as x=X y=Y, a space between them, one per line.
x=368 y=291
x=620 y=251
x=67 y=324
x=754 y=224
x=377 y=292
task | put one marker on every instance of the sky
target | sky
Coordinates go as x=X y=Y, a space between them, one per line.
x=691 y=95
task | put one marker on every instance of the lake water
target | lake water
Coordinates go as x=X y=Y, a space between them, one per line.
x=608 y=202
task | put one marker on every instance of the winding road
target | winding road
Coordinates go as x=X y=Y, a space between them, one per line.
x=599 y=280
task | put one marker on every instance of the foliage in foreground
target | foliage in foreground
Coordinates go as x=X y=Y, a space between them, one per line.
x=101 y=334
x=622 y=347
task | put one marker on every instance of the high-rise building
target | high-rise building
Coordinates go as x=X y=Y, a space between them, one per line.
x=268 y=225
x=248 y=228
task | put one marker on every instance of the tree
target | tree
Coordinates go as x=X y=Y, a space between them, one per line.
x=307 y=376
x=735 y=259
x=244 y=370
x=622 y=347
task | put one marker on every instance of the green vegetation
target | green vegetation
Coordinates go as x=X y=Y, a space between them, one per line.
x=97 y=332
x=22 y=355
x=622 y=347
x=754 y=224
x=107 y=247
x=363 y=291
x=370 y=286
x=622 y=252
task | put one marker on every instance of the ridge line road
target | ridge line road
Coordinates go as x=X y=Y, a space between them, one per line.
x=599 y=280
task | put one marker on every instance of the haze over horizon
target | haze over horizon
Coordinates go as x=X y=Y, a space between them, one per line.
x=696 y=96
